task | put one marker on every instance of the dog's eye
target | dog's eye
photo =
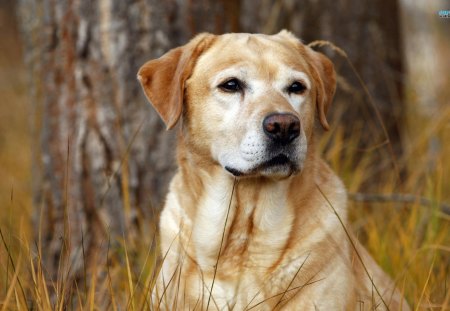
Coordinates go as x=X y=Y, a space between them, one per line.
x=232 y=85
x=297 y=88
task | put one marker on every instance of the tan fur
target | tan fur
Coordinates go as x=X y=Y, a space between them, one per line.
x=268 y=239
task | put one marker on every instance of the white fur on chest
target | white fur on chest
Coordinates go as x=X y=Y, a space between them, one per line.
x=246 y=254
x=271 y=221
x=210 y=220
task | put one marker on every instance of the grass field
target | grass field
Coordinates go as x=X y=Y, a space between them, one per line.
x=410 y=240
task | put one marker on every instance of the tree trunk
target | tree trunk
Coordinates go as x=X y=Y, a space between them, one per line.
x=102 y=159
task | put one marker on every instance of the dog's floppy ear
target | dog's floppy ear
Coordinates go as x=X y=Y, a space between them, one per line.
x=325 y=78
x=163 y=79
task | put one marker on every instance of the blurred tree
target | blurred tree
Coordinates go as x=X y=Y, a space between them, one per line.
x=102 y=158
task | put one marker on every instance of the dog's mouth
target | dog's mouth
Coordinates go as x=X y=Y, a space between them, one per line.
x=278 y=165
x=280 y=159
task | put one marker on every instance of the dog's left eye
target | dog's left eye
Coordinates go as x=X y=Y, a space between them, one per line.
x=232 y=85
x=297 y=88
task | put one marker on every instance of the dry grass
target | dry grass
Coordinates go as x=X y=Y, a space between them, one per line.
x=410 y=241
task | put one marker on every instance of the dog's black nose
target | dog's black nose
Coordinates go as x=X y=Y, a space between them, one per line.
x=282 y=127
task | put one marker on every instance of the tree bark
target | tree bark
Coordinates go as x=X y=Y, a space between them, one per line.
x=102 y=158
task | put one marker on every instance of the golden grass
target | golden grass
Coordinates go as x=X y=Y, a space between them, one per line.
x=410 y=241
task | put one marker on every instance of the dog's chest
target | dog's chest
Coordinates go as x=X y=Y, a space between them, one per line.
x=249 y=226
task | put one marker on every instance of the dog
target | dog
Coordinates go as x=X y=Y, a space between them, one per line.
x=254 y=219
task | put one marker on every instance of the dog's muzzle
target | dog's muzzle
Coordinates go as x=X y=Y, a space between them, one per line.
x=281 y=132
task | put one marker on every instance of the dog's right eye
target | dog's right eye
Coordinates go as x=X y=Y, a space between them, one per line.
x=232 y=86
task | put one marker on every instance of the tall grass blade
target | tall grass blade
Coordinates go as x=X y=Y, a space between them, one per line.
x=292 y=281
x=221 y=244
x=353 y=246
x=13 y=265
x=129 y=278
x=426 y=282
x=10 y=292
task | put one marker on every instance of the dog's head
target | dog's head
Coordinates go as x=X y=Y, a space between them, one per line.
x=247 y=101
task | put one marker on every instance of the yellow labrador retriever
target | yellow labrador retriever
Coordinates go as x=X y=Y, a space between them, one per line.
x=254 y=218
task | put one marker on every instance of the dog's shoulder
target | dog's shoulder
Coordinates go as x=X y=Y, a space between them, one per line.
x=322 y=183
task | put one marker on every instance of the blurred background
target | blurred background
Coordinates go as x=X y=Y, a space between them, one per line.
x=85 y=161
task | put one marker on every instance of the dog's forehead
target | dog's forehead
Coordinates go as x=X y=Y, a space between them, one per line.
x=259 y=50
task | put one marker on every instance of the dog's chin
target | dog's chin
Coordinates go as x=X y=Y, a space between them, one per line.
x=278 y=167
x=279 y=171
